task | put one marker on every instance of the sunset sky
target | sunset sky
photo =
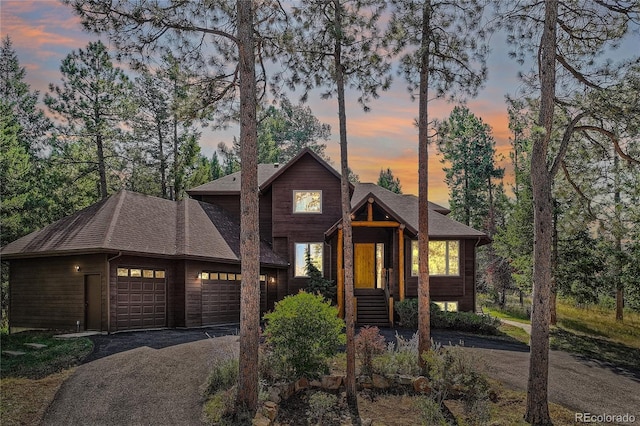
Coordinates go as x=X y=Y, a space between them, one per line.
x=44 y=32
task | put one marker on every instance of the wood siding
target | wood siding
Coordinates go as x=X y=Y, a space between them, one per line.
x=50 y=293
x=305 y=174
x=444 y=289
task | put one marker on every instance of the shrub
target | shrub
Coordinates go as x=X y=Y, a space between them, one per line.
x=219 y=406
x=222 y=377
x=430 y=411
x=322 y=408
x=407 y=309
x=452 y=372
x=399 y=358
x=369 y=342
x=303 y=331
x=318 y=284
x=465 y=321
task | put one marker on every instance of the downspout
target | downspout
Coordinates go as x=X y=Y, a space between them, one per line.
x=109 y=290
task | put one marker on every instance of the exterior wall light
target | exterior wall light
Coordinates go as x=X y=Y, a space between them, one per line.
x=77 y=268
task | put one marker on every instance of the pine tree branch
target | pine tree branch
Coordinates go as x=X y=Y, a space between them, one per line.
x=577 y=188
x=614 y=140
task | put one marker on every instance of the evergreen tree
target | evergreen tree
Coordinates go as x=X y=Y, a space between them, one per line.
x=469 y=150
x=94 y=101
x=443 y=48
x=388 y=181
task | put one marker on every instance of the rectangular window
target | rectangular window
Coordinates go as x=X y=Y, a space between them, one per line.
x=380 y=265
x=222 y=276
x=213 y=276
x=307 y=201
x=238 y=277
x=444 y=258
x=263 y=278
x=314 y=250
x=123 y=272
x=136 y=272
x=159 y=274
x=448 y=306
x=147 y=273
x=204 y=275
x=231 y=277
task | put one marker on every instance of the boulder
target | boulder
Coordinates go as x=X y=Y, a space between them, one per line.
x=421 y=385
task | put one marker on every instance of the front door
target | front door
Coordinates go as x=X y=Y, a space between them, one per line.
x=93 y=302
x=364 y=270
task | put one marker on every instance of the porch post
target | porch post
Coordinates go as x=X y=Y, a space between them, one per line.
x=340 y=271
x=401 y=261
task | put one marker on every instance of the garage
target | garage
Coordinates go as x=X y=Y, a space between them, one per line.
x=220 y=298
x=141 y=299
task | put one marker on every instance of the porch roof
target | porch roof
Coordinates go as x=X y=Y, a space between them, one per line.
x=404 y=209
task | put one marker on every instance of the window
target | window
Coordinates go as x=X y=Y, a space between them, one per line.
x=123 y=272
x=136 y=272
x=314 y=250
x=448 y=306
x=444 y=258
x=204 y=275
x=307 y=201
x=147 y=273
x=160 y=274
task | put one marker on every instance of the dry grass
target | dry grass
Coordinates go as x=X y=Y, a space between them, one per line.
x=24 y=401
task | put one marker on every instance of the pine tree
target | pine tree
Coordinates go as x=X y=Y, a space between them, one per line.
x=94 y=100
x=388 y=181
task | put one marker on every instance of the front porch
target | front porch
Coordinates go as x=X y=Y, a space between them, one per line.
x=378 y=264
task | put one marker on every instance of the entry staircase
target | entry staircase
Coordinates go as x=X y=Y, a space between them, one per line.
x=372 y=307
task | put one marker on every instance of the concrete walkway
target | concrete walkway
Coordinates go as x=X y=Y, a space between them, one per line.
x=525 y=327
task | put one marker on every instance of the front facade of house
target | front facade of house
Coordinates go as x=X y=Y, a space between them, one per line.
x=134 y=261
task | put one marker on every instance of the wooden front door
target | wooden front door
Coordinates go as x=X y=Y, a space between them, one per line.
x=364 y=269
x=93 y=302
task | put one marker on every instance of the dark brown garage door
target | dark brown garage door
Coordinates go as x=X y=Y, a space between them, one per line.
x=141 y=299
x=220 y=299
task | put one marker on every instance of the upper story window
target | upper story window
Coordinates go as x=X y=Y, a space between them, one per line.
x=307 y=201
x=444 y=258
x=314 y=250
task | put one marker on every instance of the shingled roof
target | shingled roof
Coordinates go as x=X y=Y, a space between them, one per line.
x=404 y=209
x=133 y=223
x=267 y=173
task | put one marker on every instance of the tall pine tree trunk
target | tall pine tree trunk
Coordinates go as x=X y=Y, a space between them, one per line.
x=102 y=169
x=345 y=198
x=617 y=234
x=249 y=231
x=163 y=161
x=424 y=314
x=537 y=387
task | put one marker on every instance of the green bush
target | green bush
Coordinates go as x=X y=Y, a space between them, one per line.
x=223 y=376
x=323 y=408
x=219 y=407
x=369 y=342
x=407 y=310
x=465 y=321
x=430 y=411
x=303 y=331
x=317 y=283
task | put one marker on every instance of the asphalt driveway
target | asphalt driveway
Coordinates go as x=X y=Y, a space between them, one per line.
x=155 y=377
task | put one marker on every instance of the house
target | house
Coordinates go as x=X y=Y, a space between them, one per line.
x=134 y=261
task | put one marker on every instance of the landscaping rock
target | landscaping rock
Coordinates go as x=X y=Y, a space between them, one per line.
x=301 y=384
x=315 y=384
x=270 y=410
x=365 y=382
x=332 y=382
x=274 y=395
x=35 y=345
x=380 y=382
x=260 y=420
x=405 y=380
x=14 y=353
x=421 y=385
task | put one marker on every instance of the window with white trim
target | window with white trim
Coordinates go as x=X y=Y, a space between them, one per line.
x=301 y=250
x=444 y=258
x=447 y=306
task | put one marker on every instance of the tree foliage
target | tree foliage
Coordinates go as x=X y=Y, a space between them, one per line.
x=442 y=47
x=469 y=152
x=388 y=181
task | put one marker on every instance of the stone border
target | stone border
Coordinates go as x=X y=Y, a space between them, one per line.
x=267 y=413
